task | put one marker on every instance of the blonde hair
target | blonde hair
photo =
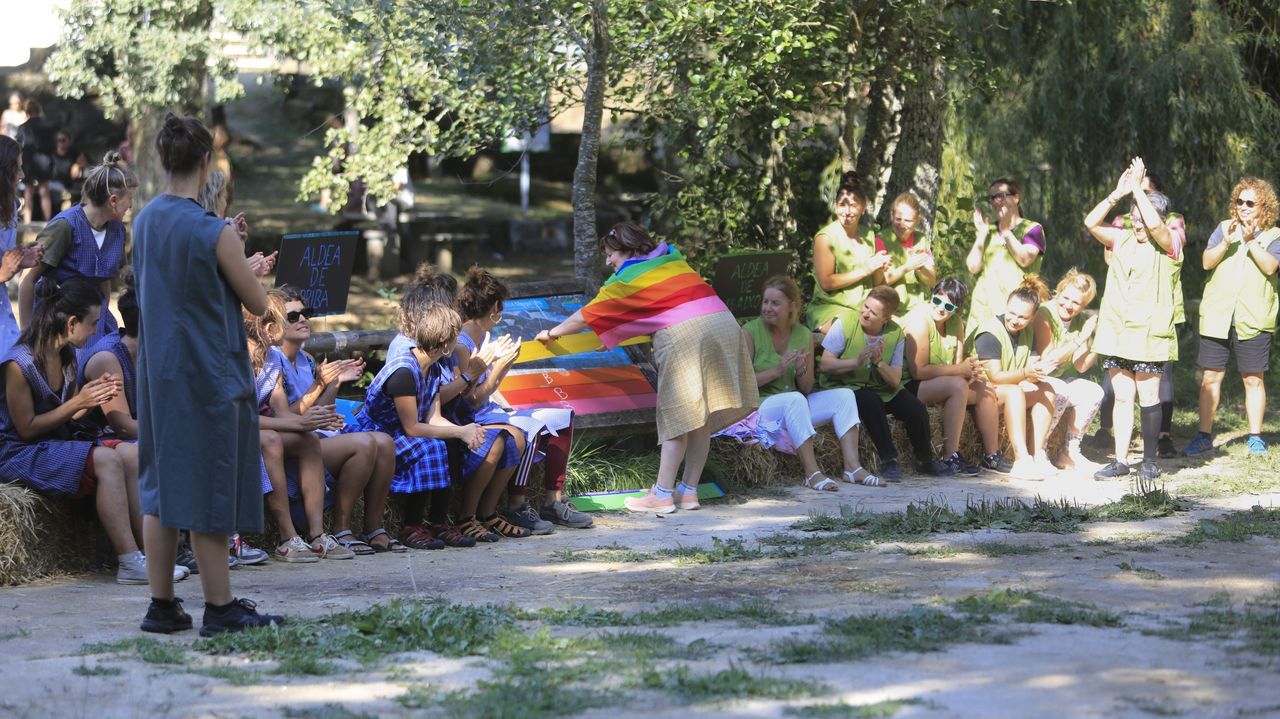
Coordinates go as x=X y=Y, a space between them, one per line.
x=213 y=187
x=1081 y=281
x=1266 y=195
x=789 y=289
x=256 y=327
x=111 y=177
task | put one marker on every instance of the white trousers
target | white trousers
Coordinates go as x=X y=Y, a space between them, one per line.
x=800 y=414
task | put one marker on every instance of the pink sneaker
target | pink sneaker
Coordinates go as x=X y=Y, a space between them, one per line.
x=685 y=502
x=650 y=503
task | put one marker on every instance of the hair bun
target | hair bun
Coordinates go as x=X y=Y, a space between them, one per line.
x=173 y=123
x=112 y=159
x=47 y=290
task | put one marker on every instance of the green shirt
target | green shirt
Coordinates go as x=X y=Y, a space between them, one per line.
x=766 y=356
x=1238 y=294
x=911 y=291
x=850 y=254
x=1012 y=356
x=866 y=376
x=942 y=349
x=1001 y=274
x=1135 y=321
x=1062 y=335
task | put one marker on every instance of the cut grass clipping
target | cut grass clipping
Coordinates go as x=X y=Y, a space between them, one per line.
x=935 y=516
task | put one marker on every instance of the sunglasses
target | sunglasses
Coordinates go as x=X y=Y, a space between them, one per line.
x=1245 y=203
x=296 y=315
x=1000 y=196
x=938 y=301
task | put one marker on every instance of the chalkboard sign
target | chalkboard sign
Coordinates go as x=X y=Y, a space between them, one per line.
x=738 y=278
x=318 y=266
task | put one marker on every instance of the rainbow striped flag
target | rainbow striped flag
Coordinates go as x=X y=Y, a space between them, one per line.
x=647 y=296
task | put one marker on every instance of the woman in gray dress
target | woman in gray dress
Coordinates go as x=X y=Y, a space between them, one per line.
x=197 y=440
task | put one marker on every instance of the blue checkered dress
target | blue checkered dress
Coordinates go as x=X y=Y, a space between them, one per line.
x=84 y=259
x=264 y=383
x=97 y=419
x=422 y=463
x=54 y=464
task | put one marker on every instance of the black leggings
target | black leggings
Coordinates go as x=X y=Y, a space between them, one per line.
x=875 y=412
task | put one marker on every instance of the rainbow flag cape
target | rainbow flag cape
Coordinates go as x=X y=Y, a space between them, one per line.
x=649 y=295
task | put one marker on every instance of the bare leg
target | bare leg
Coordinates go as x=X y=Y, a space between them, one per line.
x=695 y=456
x=986 y=413
x=1210 y=393
x=1014 y=401
x=375 y=493
x=1124 y=386
x=305 y=446
x=1255 y=400
x=278 y=500
x=215 y=575
x=497 y=480
x=479 y=481
x=162 y=554
x=350 y=458
x=112 y=501
x=1041 y=403
x=808 y=461
x=849 y=449
x=672 y=455
x=128 y=453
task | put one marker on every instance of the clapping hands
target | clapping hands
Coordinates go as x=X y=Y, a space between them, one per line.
x=98 y=392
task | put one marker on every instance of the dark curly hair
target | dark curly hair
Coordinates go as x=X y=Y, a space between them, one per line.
x=10 y=154
x=481 y=294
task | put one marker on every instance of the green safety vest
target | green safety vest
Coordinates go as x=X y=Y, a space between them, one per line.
x=767 y=357
x=942 y=349
x=865 y=377
x=1062 y=335
x=1171 y=221
x=1011 y=356
x=911 y=291
x=1000 y=275
x=1237 y=292
x=1135 y=321
x=849 y=256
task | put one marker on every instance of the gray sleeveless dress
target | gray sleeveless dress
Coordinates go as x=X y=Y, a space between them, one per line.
x=198 y=447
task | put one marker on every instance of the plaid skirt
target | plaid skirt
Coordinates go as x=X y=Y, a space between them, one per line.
x=476 y=457
x=705 y=376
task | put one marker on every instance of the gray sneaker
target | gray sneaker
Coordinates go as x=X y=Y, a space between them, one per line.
x=565 y=515
x=524 y=516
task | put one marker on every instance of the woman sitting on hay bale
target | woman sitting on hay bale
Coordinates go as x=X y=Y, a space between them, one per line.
x=864 y=351
x=39 y=444
x=1004 y=345
x=782 y=354
x=936 y=371
x=1065 y=337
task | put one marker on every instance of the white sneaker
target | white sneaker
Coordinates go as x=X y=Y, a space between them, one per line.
x=1026 y=468
x=295 y=550
x=180 y=572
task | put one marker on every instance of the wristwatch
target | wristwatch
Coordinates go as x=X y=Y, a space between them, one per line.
x=465 y=378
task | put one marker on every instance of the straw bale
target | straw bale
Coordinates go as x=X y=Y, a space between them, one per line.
x=43 y=538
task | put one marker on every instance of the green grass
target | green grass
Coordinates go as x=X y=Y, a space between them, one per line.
x=1143 y=572
x=774 y=546
x=935 y=516
x=1241 y=526
x=231 y=675
x=854 y=638
x=986 y=549
x=732 y=683
x=748 y=613
x=840 y=710
x=532 y=698
x=326 y=711
x=1032 y=608
x=1255 y=627
x=151 y=651
x=603 y=467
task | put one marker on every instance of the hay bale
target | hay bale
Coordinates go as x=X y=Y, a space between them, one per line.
x=43 y=538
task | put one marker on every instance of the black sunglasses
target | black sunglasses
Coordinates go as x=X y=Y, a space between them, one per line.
x=1245 y=203
x=1000 y=195
x=939 y=302
x=296 y=315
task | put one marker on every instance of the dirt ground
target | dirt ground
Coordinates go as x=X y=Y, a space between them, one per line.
x=1050 y=670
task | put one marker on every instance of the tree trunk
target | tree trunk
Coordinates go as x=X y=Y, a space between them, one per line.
x=917 y=163
x=880 y=139
x=586 y=255
x=146 y=161
x=781 y=221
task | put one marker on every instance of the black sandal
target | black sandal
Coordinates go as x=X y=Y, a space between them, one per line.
x=393 y=544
